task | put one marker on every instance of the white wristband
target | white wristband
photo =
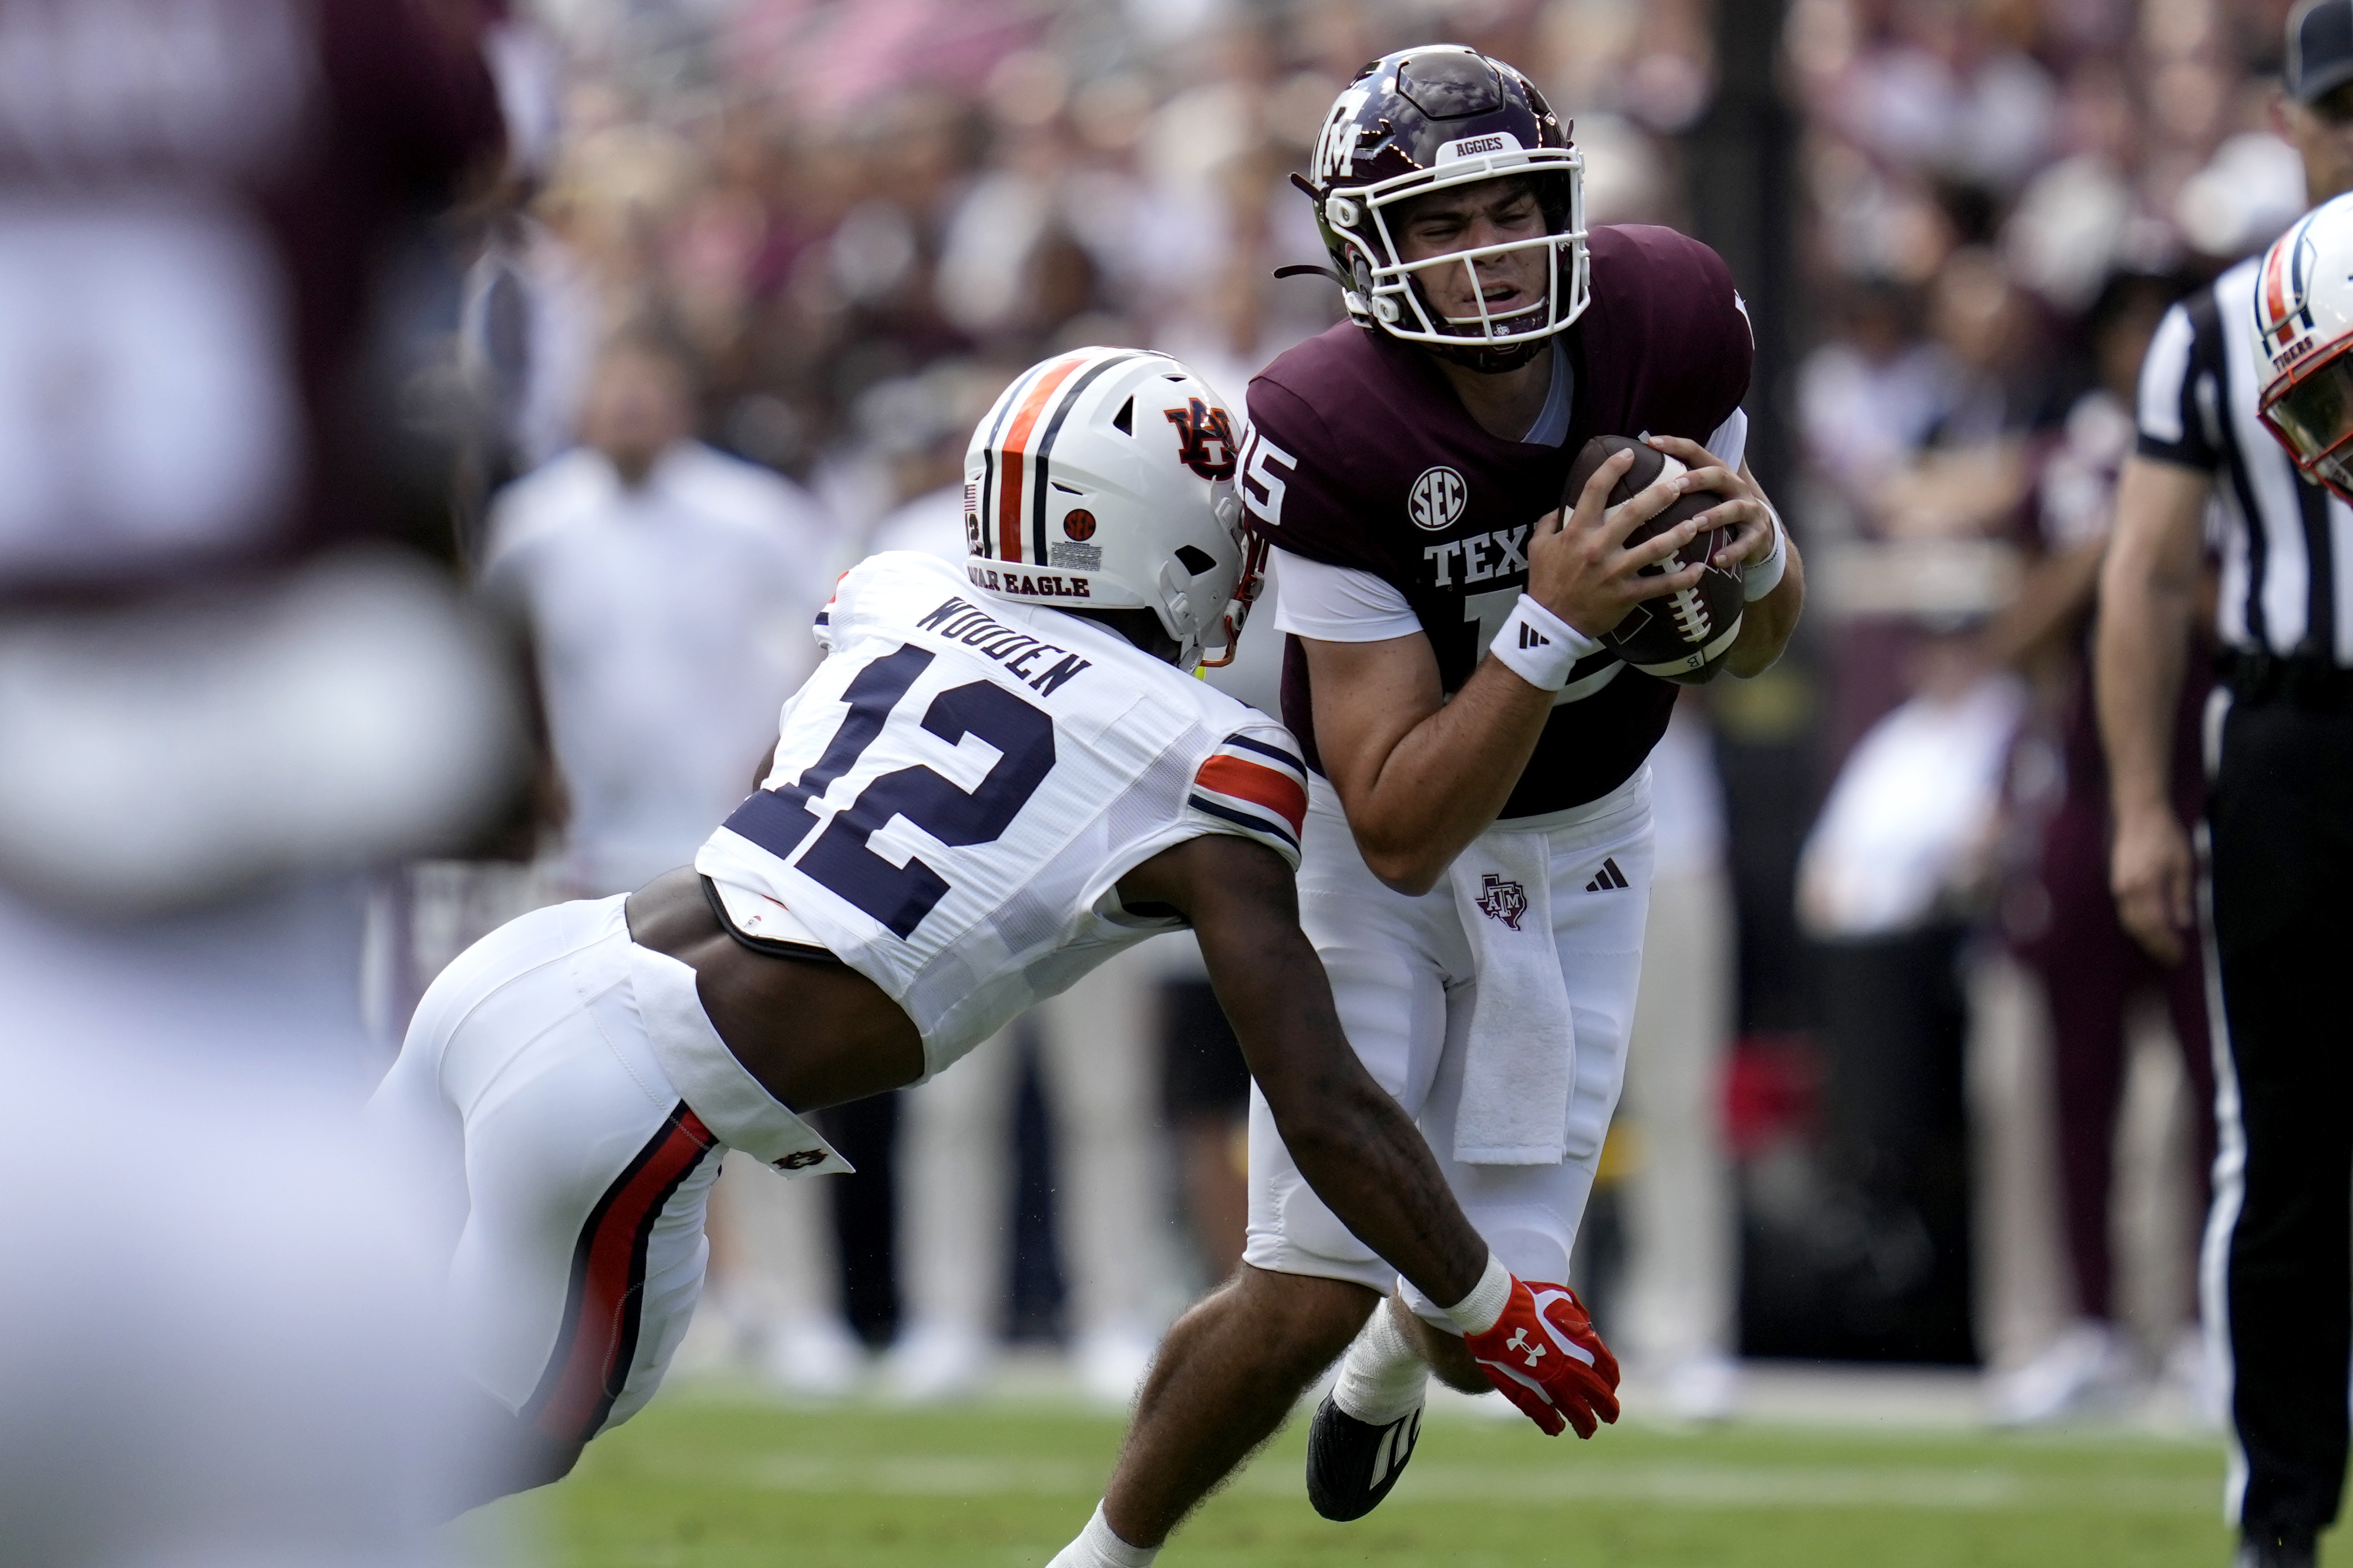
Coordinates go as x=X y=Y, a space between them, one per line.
x=1759 y=578
x=1477 y=1311
x=1539 y=647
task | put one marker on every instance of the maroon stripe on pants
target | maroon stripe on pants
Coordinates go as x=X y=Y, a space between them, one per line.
x=605 y=1299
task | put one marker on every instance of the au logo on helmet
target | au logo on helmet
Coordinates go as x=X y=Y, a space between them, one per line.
x=1205 y=438
x=1500 y=900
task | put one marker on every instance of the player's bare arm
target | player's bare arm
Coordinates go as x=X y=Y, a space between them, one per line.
x=817 y=1035
x=2149 y=595
x=1352 y=1143
x=1767 y=623
x=814 y=1034
x=1420 y=776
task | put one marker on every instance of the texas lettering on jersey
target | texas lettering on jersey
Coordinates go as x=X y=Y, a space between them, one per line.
x=1358 y=453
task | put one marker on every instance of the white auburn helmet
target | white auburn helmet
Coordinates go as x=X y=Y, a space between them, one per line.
x=1103 y=479
x=2304 y=319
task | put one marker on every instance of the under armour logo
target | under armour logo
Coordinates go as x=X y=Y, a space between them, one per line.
x=800 y=1160
x=1519 y=1342
x=1611 y=878
x=1531 y=637
x=1502 y=900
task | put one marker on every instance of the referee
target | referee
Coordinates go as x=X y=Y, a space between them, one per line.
x=2278 y=836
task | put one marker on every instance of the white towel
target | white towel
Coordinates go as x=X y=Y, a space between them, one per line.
x=1520 y=1057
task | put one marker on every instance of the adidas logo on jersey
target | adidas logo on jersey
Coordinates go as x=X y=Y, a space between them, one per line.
x=1610 y=879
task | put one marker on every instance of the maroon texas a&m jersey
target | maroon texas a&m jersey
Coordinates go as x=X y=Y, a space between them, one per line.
x=1361 y=456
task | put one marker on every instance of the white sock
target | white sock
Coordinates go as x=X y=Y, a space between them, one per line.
x=1382 y=1376
x=1097 y=1547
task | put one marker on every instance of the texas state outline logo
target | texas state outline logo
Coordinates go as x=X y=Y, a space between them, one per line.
x=1502 y=900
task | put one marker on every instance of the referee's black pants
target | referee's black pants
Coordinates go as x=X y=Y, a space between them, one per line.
x=2281 y=817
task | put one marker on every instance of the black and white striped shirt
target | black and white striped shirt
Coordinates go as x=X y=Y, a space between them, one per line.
x=2286 y=545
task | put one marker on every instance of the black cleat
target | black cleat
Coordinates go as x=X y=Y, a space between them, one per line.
x=2271 y=1548
x=1352 y=1464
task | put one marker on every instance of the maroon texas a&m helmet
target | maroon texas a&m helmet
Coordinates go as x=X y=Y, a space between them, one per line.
x=1432 y=118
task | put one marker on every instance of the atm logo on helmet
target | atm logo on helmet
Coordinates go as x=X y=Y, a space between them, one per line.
x=1205 y=438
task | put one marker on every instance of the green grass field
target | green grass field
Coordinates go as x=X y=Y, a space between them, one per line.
x=702 y=1481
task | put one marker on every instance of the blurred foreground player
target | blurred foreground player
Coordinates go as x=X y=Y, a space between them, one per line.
x=224 y=692
x=2265 y=351
x=999 y=778
x=1406 y=466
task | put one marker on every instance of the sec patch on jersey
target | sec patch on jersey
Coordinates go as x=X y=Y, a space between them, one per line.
x=1682 y=636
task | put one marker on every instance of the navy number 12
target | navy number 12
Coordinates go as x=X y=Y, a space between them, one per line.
x=779 y=820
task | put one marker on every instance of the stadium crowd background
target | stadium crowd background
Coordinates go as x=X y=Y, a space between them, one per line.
x=846 y=224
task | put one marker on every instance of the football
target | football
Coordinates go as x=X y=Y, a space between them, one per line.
x=1683 y=635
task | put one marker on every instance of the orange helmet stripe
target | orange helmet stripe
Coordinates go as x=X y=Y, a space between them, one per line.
x=1025 y=420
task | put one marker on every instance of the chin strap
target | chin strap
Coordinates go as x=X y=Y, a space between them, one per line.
x=1245 y=594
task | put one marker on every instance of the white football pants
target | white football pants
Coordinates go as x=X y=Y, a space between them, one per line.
x=1402 y=974
x=545 y=1089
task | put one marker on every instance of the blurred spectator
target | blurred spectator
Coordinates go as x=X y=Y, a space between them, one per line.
x=527 y=334
x=1094 y=1061
x=1976 y=175
x=669 y=591
x=776 y=1289
x=1891 y=878
x=1681 y=1271
x=2060 y=915
x=1205 y=1091
x=916 y=431
x=232 y=679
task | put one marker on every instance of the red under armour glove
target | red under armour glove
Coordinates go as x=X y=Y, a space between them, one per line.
x=1544 y=1356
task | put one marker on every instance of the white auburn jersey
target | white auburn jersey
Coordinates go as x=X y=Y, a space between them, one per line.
x=962 y=781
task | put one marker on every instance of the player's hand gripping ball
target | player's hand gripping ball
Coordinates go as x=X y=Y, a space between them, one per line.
x=1683 y=635
x=1545 y=1358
